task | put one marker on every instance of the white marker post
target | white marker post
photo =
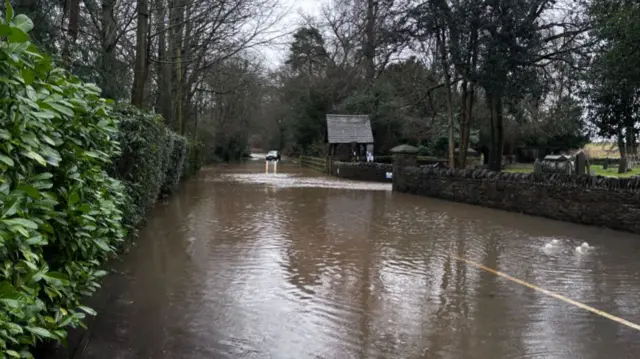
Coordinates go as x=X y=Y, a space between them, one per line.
x=275 y=167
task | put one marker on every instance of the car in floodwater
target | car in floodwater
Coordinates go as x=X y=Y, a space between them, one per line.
x=273 y=156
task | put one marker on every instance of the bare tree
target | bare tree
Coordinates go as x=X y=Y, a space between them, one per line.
x=141 y=70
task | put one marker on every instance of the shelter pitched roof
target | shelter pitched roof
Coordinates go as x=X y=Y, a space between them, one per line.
x=349 y=129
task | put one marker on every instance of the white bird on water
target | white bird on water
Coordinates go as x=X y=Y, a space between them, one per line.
x=551 y=244
x=583 y=247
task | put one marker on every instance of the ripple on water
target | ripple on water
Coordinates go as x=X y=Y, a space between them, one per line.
x=287 y=180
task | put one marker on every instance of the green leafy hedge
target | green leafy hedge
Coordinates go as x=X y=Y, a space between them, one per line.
x=151 y=161
x=60 y=215
x=75 y=172
x=141 y=165
x=177 y=149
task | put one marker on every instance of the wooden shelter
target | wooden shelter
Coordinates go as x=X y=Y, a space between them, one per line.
x=351 y=133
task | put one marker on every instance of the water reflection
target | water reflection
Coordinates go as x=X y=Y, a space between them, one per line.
x=245 y=265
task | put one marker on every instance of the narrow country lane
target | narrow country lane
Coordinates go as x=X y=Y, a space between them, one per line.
x=240 y=264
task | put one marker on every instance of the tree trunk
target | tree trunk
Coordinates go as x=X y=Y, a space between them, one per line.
x=141 y=63
x=452 y=150
x=497 y=133
x=369 y=43
x=179 y=99
x=73 y=27
x=622 y=148
x=468 y=98
x=187 y=88
x=176 y=23
x=447 y=81
x=196 y=117
x=163 y=66
x=462 y=152
x=108 y=56
x=74 y=20
x=466 y=118
x=146 y=92
x=630 y=136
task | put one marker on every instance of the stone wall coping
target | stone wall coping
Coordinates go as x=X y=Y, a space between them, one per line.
x=404 y=149
x=364 y=164
x=555 y=179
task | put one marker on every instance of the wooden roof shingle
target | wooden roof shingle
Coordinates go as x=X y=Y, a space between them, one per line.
x=349 y=129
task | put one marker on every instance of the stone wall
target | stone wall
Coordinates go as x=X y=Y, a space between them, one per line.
x=362 y=171
x=607 y=202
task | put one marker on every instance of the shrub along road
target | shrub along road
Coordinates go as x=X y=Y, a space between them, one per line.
x=77 y=177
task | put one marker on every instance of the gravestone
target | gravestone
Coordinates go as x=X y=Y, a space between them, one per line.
x=537 y=169
x=557 y=164
x=537 y=166
x=581 y=163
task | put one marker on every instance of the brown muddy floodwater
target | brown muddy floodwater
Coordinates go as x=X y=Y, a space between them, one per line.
x=240 y=264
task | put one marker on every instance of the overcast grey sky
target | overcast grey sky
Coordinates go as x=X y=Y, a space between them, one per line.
x=275 y=54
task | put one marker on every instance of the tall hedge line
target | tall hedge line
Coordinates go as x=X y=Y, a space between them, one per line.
x=151 y=161
x=141 y=137
x=60 y=216
x=75 y=173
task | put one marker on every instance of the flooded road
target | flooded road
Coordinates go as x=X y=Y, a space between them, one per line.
x=239 y=264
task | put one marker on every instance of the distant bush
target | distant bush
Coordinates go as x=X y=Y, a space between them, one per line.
x=194 y=159
x=167 y=149
x=140 y=166
x=186 y=166
x=177 y=146
x=424 y=151
x=60 y=216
